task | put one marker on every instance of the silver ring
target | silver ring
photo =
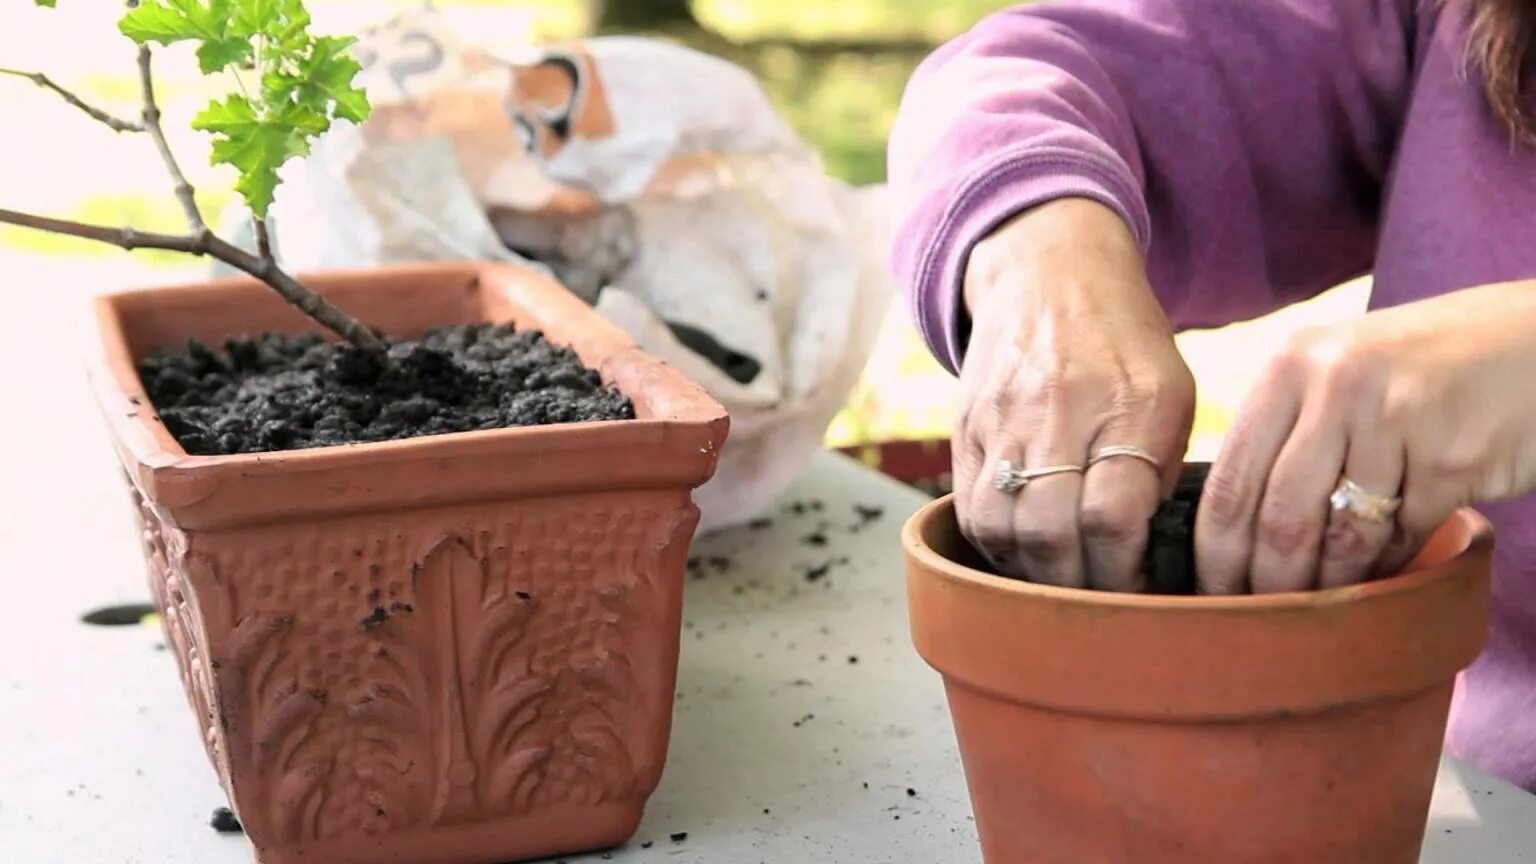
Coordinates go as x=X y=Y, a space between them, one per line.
x=1125 y=450
x=1009 y=477
x=1354 y=498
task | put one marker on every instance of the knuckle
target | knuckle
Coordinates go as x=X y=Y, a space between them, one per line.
x=1224 y=499
x=1282 y=529
x=1112 y=521
x=988 y=533
x=1344 y=375
x=1402 y=405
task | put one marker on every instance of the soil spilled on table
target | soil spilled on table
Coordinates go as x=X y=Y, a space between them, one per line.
x=277 y=392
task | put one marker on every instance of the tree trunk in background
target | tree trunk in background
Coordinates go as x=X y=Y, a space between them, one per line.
x=611 y=15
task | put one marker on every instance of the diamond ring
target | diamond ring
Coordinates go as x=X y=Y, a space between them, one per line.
x=1351 y=496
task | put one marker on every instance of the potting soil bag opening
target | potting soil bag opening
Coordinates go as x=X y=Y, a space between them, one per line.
x=655 y=181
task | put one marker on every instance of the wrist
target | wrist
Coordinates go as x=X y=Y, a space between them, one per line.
x=1072 y=244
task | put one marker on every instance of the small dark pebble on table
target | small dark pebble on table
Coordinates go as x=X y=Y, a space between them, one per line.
x=853 y=660
x=224 y=821
x=868 y=514
x=814 y=539
x=646 y=845
x=911 y=793
x=816 y=573
x=760 y=524
x=679 y=836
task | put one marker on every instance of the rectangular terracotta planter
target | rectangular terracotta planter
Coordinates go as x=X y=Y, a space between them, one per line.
x=447 y=650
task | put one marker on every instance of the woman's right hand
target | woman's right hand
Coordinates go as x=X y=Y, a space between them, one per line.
x=1069 y=353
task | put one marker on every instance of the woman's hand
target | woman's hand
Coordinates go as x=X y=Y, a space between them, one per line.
x=1069 y=353
x=1431 y=401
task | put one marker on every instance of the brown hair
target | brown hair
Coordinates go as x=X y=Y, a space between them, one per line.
x=1502 y=37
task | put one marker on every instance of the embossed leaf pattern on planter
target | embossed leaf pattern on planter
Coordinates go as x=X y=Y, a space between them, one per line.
x=473 y=666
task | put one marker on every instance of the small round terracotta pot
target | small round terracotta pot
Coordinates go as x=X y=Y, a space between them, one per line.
x=1099 y=728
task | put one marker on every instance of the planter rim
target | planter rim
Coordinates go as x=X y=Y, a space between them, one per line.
x=677 y=416
x=1480 y=541
x=1203 y=658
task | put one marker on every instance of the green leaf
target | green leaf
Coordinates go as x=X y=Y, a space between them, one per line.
x=48 y=3
x=256 y=16
x=306 y=81
x=329 y=73
x=255 y=146
x=216 y=55
x=170 y=21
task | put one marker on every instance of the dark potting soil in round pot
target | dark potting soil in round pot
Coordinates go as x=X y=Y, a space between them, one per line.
x=277 y=392
x=1169 y=563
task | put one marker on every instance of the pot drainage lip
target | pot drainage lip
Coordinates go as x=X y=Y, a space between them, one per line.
x=123 y=615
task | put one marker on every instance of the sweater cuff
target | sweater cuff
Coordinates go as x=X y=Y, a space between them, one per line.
x=998 y=190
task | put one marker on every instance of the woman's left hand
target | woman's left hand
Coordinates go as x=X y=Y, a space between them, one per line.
x=1434 y=401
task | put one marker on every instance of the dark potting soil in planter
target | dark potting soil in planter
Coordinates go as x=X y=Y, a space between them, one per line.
x=277 y=392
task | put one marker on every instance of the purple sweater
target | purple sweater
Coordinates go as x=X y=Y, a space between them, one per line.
x=1261 y=151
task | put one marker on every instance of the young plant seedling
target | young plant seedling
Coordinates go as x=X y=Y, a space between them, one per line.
x=290 y=86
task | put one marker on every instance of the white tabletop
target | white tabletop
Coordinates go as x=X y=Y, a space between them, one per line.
x=784 y=748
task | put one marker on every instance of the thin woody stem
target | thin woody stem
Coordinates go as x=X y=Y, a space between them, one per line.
x=184 y=191
x=116 y=124
x=205 y=242
x=124 y=238
x=263 y=239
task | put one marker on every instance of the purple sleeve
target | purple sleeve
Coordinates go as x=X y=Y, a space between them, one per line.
x=1245 y=143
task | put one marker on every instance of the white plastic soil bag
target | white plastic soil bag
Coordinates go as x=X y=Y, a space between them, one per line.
x=656 y=182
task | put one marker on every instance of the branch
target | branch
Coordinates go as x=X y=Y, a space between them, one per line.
x=294 y=292
x=152 y=125
x=205 y=242
x=43 y=81
x=123 y=238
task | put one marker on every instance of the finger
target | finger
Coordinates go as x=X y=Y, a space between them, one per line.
x=966 y=457
x=1048 y=548
x=1120 y=496
x=1293 y=510
x=1230 y=501
x=991 y=510
x=1352 y=545
x=1426 y=505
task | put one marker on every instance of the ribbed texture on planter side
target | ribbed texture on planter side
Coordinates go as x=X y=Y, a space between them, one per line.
x=447 y=650
x=1119 y=728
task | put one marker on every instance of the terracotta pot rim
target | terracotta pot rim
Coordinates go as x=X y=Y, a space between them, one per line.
x=107 y=373
x=674 y=442
x=1480 y=539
